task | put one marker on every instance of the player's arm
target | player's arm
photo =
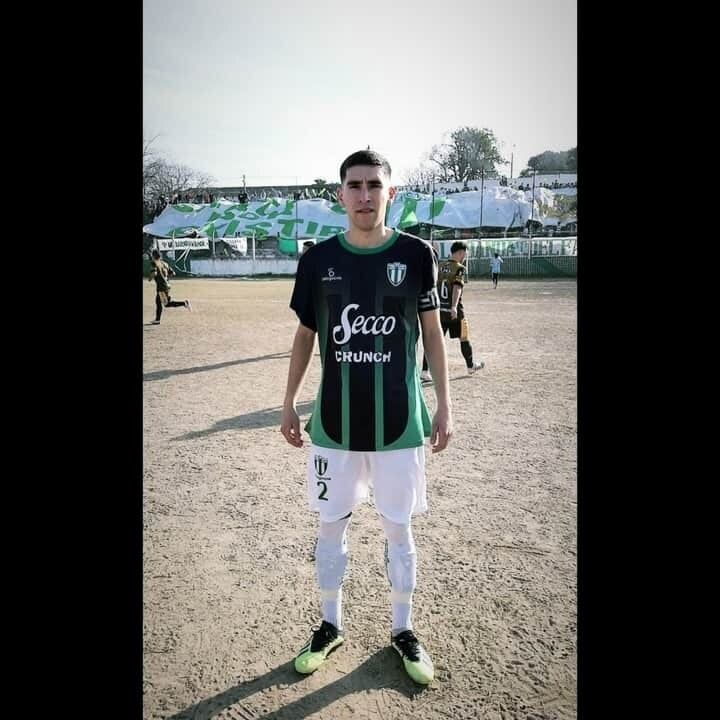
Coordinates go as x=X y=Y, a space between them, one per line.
x=300 y=357
x=456 y=291
x=434 y=346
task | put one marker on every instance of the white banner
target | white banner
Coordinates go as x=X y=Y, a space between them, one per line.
x=502 y=208
x=183 y=243
x=239 y=244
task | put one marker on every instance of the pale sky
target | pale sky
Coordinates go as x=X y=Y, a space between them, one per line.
x=283 y=91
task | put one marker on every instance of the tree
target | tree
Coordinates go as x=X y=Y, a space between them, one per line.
x=320 y=181
x=163 y=178
x=420 y=177
x=549 y=161
x=469 y=153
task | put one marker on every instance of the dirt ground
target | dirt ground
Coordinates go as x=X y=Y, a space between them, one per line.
x=229 y=588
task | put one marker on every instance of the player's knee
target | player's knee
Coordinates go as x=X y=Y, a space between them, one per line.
x=331 y=554
x=334 y=531
x=398 y=534
x=400 y=557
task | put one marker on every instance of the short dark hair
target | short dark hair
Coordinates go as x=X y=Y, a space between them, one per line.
x=364 y=157
x=458 y=245
x=156 y=254
x=496 y=254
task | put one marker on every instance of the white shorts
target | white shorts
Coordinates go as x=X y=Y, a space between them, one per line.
x=337 y=480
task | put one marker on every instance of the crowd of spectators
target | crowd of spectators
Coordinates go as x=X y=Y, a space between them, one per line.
x=197 y=197
x=155 y=207
x=550 y=186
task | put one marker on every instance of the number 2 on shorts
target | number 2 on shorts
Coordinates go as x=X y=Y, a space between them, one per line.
x=322 y=495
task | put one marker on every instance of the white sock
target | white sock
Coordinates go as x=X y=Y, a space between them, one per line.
x=332 y=606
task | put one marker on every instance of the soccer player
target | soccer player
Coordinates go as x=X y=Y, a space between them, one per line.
x=161 y=273
x=451 y=280
x=363 y=292
x=495 y=264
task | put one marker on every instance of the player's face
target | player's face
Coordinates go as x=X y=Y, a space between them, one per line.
x=365 y=194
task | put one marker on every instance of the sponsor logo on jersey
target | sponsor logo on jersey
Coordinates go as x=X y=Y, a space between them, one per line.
x=365 y=325
x=321 y=464
x=358 y=357
x=331 y=276
x=396 y=272
x=370 y=325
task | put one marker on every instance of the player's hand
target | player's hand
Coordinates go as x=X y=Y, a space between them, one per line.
x=290 y=426
x=442 y=429
x=453 y=313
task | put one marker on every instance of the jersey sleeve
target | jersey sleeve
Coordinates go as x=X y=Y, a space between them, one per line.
x=459 y=277
x=428 y=296
x=302 y=298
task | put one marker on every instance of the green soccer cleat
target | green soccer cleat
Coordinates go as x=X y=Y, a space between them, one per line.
x=324 y=640
x=417 y=662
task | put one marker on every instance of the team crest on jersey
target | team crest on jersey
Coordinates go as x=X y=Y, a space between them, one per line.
x=321 y=464
x=396 y=272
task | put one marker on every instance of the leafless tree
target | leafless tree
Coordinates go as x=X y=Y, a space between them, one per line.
x=163 y=178
x=421 y=177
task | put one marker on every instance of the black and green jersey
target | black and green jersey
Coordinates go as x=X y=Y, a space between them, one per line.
x=364 y=305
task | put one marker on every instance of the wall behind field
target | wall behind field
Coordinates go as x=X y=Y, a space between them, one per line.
x=221 y=267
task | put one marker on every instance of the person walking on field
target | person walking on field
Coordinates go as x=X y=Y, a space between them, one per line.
x=160 y=273
x=363 y=292
x=495 y=264
x=451 y=280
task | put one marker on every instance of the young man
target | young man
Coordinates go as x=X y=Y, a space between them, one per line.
x=495 y=264
x=362 y=292
x=160 y=273
x=451 y=280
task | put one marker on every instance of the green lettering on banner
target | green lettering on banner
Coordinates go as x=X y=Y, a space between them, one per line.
x=230 y=229
x=287 y=227
x=338 y=208
x=183 y=208
x=311 y=228
x=408 y=216
x=284 y=211
x=436 y=207
x=259 y=228
x=331 y=230
x=262 y=209
x=214 y=216
x=250 y=215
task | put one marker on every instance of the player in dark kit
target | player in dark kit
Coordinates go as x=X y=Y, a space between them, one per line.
x=161 y=273
x=451 y=279
x=367 y=294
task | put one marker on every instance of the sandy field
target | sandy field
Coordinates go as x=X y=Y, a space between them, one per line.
x=228 y=569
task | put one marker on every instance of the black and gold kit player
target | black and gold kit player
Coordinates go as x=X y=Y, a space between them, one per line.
x=451 y=280
x=161 y=273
